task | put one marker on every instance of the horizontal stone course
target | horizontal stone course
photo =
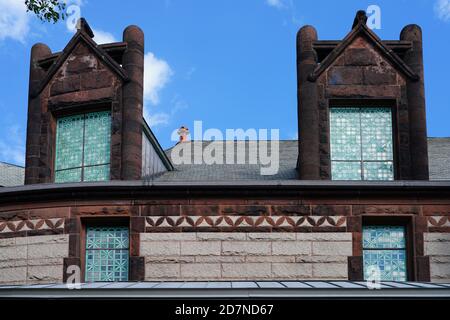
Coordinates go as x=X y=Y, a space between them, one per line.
x=331 y=248
x=29 y=260
x=246 y=248
x=436 y=237
x=437 y=246
x=291 y=248
x=245 y=256
x=200 y=248
x=246 y=270
x=161 y=248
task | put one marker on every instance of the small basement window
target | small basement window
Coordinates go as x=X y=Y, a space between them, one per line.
x=361 y=143
x=83 y=147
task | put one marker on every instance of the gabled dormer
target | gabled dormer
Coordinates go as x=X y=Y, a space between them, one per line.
x=361 y=106
x=85 y=118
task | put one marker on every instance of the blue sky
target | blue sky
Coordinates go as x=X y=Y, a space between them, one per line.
x=229 y=63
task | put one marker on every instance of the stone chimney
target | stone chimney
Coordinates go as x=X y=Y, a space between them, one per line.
x=183 y=132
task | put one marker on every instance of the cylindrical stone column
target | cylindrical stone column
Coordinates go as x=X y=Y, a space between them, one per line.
x=416 y=104
x=308 y=110
x=37 y=74
x=133 y=95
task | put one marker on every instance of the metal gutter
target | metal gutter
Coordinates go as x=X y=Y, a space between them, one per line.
x=221 y=290
x=415 y=190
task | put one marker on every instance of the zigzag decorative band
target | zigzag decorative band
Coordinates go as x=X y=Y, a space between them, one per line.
x=246 y=221
x=439 y=221
x=27 y=225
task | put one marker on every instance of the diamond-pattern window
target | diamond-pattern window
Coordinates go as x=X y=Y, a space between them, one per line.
x=384 y=253
x=83 y=147
x=361 y=143
x=107 y=254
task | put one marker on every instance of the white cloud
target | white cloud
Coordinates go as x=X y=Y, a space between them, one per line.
x=442 y=9
x=279 y=4
x=156 y=119
x=14 y=20
x=101 y=37
x=157 y=73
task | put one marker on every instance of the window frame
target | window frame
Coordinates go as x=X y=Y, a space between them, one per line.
x=102 y=222
x=395 y=221
x=368 y=103
x=86 y=109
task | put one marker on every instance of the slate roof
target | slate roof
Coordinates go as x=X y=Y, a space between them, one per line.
x=438 y=153
x=224 y=172
x=439 y=161
x=11 y=175
x=439 y=158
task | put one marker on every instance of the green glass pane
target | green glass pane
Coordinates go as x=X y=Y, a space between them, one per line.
x=107 y=265
x=69 y=142
x=379 y=170
x=97 y=173
x=70 y=175
x=384 y=237
x=97 y=138
x=345 y=170
x=376 y=133
x=107 y=254
x=390 y=265
x=345 y=134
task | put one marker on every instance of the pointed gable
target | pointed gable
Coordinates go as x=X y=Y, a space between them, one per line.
x=81 y=54
x=361 y=36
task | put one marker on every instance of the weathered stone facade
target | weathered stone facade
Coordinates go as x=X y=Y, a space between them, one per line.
x=274 y=232
x=28 y=260
x=361 y=70
x=437 y=247
x=230 y=230
x=86 y=77
x=244 y=255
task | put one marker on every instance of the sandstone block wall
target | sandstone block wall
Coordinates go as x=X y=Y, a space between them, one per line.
x=437 y=246
x=29 y=260
x=245 y=256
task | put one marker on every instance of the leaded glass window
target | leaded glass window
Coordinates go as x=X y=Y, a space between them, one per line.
x=83 y=147
x=361 y=143
x=107 y=253
x=384 y=253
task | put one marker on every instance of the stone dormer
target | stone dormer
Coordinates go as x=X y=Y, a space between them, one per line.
x=81 y=81
x=361 y=71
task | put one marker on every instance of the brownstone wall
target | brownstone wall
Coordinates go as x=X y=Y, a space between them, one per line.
x=361 y=71
x=358 y=75
x=84 y=78
x=309 y=213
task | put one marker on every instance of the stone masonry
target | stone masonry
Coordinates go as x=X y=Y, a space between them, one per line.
x=29 y=260
x=245 y=256
x=437 y=246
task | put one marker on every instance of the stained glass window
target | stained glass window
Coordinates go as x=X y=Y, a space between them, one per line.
x=107 y=252
x=361 y=143
x=83 y=147
x=384 y=253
